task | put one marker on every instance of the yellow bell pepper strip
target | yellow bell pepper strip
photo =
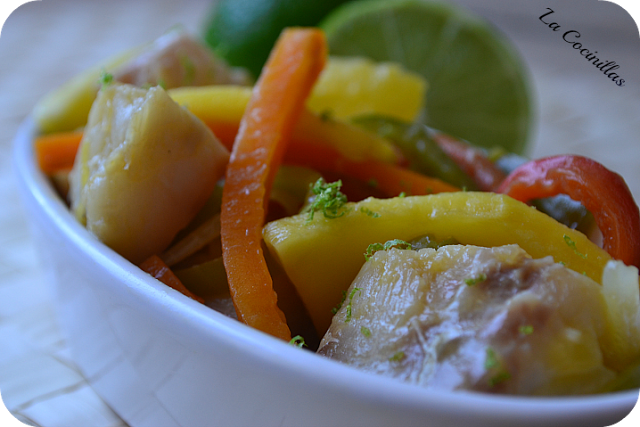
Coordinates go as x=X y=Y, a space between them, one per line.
x=603 y=192
x=159 y=270
x=266 y=127
x=323 y=256
x=222 y=107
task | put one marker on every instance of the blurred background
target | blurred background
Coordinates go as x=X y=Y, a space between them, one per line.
x=42 y=44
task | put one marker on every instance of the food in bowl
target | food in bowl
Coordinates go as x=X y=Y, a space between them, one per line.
x=325 y=214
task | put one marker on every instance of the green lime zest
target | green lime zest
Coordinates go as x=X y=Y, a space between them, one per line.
x=335 y=309
x=375 y=247
x=328 y=199
x=526 y=329
x=398 y=356
x=572 y=245
x=365 y=331
x=369 y=212
x=351 y=295
x=105 y=78
x=492 y=363
x=298 y=341
x=475 y=280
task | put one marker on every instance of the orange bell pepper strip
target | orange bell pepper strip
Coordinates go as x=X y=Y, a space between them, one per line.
x=276 y=102
x=158 y=269
x=601 y=191
x=57 y=151
x=390 y=179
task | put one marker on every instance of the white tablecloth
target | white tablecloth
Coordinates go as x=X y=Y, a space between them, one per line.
x=43 y=43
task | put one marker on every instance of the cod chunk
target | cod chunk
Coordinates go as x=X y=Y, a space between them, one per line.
x=175 y=60
x=483 y=319
x=145 y=167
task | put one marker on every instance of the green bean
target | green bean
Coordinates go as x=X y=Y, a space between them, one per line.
x=419 y=148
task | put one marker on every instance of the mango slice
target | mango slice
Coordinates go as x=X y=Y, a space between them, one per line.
x=349 y=87
x=323 y=256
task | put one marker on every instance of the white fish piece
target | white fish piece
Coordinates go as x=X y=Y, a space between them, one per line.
x=175 y=59
x=472 y=318
x=145 y=167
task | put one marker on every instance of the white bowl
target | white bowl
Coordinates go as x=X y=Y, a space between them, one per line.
x=159 y=358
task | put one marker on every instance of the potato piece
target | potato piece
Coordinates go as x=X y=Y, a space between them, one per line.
x=144 y=168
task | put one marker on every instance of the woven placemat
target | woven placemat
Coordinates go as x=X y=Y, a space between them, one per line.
x=42 y=44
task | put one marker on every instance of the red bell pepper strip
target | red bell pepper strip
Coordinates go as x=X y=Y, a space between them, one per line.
x=603 y=192
x=471 y=160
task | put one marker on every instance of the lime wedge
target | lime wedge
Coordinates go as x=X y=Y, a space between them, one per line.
x=478 y=87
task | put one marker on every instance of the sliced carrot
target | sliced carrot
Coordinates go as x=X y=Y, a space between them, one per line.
x=56 y=152
x=158 y=269
x=267 y=124
x=389 y=179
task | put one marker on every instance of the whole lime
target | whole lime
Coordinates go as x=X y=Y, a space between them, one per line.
x=242 y=32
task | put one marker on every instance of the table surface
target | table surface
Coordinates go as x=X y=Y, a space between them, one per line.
x=44 y=43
